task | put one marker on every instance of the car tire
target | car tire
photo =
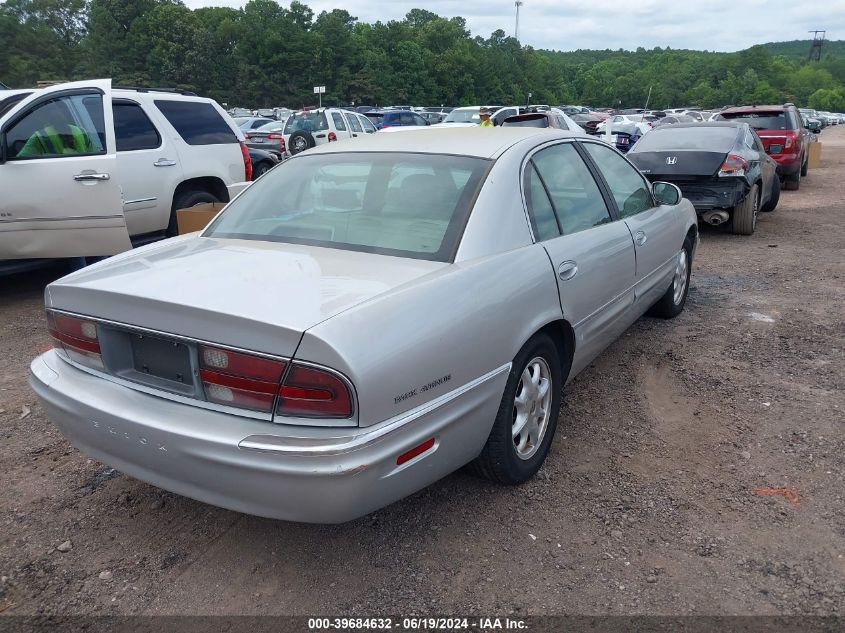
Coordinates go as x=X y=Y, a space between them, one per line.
x=744 y=216
x=773 y=201
x=805 y=166
x=300 y=141
x=672 y=303
x=792 y=183
x=185 y=200
x=510 y=458
x=261 y=168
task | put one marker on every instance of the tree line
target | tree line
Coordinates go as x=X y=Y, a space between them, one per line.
x=267 y=54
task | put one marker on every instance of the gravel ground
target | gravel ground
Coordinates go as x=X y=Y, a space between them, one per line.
x=648 y=504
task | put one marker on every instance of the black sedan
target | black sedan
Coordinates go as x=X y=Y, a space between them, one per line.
x=262 y=162
x=722 y=168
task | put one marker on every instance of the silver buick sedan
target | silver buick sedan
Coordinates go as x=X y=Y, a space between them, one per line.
x=365 y=319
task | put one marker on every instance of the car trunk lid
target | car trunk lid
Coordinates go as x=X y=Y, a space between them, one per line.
x=258 y=296
x=678 y=164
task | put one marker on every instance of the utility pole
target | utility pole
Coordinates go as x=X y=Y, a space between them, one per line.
x=816 y=46
x=517 y=4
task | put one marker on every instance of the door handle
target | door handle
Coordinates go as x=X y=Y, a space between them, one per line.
x=164 y=162
x=567 y=270
x=83 y=177
x=640 y=238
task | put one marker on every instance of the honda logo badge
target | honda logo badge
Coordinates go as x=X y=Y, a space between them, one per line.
x=671 y=160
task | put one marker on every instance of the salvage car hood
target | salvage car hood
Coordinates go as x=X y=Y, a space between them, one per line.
x=248 y=294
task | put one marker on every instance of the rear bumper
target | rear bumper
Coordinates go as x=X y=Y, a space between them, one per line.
x=788 y=164
x=714 y=195
x=315 y=475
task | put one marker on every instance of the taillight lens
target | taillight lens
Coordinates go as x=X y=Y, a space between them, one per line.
x=247 y=162
x=275 y=137
x=332 y=136
x=314 y=393
x=79 y=338
x=733 y=166
x=791 y=138
x=239 y=380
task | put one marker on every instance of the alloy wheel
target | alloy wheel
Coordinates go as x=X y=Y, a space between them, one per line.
x=532 y=408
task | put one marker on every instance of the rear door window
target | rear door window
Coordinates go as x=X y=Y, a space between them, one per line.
x=339 y=123
x=198 y=123
x=133 y=130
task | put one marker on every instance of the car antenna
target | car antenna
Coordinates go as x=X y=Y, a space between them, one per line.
x=647 y=99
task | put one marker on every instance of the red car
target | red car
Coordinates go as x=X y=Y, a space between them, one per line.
x=783 y=134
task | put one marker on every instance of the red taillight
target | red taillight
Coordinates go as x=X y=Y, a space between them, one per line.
x=79 y=338
x=414 y=452
x=275 y=137
x=332 y=136
x=314 y=393
x=248 y=135
x=791 y=138
x=733 y=166
x=247 y=162
x=239 y=380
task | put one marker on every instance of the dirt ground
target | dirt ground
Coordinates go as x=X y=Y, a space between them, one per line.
x=650 y=502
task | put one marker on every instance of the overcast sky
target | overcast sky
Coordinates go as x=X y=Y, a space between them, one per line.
x=721 y=25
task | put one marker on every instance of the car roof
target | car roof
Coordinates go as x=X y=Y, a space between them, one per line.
x=481 y=142
x=754 y=108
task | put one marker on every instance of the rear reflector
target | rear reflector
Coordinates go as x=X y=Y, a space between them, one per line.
x=414 y=452
x=314 y=393
x=77 y=337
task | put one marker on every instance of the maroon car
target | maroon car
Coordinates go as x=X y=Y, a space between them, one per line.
x=783 y=134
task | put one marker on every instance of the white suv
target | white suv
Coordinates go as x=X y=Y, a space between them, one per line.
x=83 y=166
x=308 y=128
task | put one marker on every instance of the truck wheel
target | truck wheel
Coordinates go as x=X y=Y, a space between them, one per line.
x=525 y=424
x=671 y=304
x=185 y=200
x=773 y=201
x=744 y=216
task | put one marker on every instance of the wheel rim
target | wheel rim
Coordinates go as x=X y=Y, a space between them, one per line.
x=680 y=281
x=299 y=144
x=532 y=408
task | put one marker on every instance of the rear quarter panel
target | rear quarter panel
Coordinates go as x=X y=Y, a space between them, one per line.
x=434 y=335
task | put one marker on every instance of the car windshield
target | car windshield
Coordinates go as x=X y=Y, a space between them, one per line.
x=760 y=120
x=701 y=137
x=531 y=120
x=462 y=116
x=272 y=126
x=402 y=204
x=307 y=122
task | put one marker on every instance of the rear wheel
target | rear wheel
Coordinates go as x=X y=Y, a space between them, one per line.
x=185 y=200
x=773 y=201
x=793 y=183
x=261 y=168
x=805 y=166
x=671 y=304
x=744 y=216
x=527 y=419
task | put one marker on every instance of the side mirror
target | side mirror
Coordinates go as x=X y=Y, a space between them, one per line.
x=666 y=193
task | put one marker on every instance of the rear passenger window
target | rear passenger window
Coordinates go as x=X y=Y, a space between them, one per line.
x=575 y=196
x=133 y=129
x=198 y=123
x=354 y=123
x=339 y=123
x=540 y=210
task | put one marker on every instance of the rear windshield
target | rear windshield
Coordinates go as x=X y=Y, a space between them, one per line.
x=462 y=116
x=526 y=121
x=692 y=138
x=199 y=123
x=762 y=120
x=272 y=126
x=306 y=121
x=407 y=205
